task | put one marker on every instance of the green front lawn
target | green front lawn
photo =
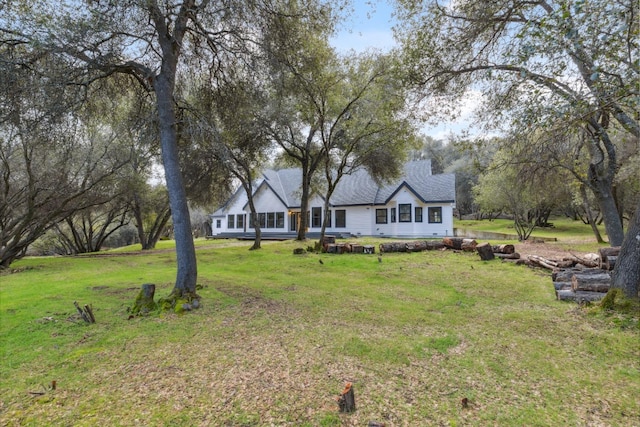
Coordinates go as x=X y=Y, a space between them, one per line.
x=279 y=334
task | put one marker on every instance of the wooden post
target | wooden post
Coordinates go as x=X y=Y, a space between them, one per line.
x=347 y=400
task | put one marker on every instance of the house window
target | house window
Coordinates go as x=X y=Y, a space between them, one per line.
x=393 y=214
x=240 y=221
x=381 y=216
x=404 y=211
x=271 y=220
x=218 y=223
x=262 y=217
x=341 y=218
x=316 y=217
x=328 y=219
x=279 y=219
x=231 y=219
x=435 y=215
x=418 y=214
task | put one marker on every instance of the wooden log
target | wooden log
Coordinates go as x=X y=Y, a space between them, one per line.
x=332 y=248
x=417 y=246
x=608 y=257
x=543 y=262
x=591 y=282
x=610 y=251
x=328 y=239
x=433 y=245
x=580 y=296
x=369 y=249
x=503 y=249
x=469 y=245
x=514 y=255
x=565 y=274
x=357 y=249
x=347 y=399
x=561 y=286
x=485 y=251
x=610 y=263
x=453 y=242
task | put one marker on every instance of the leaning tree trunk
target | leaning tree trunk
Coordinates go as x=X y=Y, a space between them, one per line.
x=186 y=277
x=609 y=210
x=626 y=273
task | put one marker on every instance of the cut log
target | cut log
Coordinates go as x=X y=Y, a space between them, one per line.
x=514 y=255
x=594 y=282
x=580 y=296
x=612 y=251
x=369 y=249
x=347 y=399
x=608 y=257
x=393 y=247
x=328 y=239
x=609 y=263
x=433 y=245
x=453 y=242
x=485 y=251
x=561 y=286
x=469 y=245
x=418 y=246
x=357 y=249
x=503 y=249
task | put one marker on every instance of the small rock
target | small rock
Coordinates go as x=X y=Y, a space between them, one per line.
x=195 y=304
x=186 y=307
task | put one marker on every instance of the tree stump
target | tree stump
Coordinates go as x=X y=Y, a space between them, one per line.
x=144 y=301
x=347 y=400
x=485 y=251
x=86 y=313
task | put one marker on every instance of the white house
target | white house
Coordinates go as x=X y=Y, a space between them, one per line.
x=417 y=204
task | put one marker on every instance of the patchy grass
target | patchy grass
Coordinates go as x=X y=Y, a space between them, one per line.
x=279 y=334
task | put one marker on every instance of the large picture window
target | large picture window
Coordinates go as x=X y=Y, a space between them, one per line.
x=231 y=219
x=341 y=218
x=381 y=216
x=279 y=219
x=435 y=215
x=316 y=217
x=404 y=213
x=240 y=221
x=393 y=214
x=418 y=214
x=262 y=217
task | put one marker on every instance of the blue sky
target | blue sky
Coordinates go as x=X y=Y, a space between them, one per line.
x=368 y=27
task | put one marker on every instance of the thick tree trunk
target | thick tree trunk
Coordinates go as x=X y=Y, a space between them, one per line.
x=626 y=273
x=304 y=204
x=255 y=223
x=612 y=223
x=185 y=250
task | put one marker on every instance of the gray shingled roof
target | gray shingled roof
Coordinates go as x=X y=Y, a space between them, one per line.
x=360 y=189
